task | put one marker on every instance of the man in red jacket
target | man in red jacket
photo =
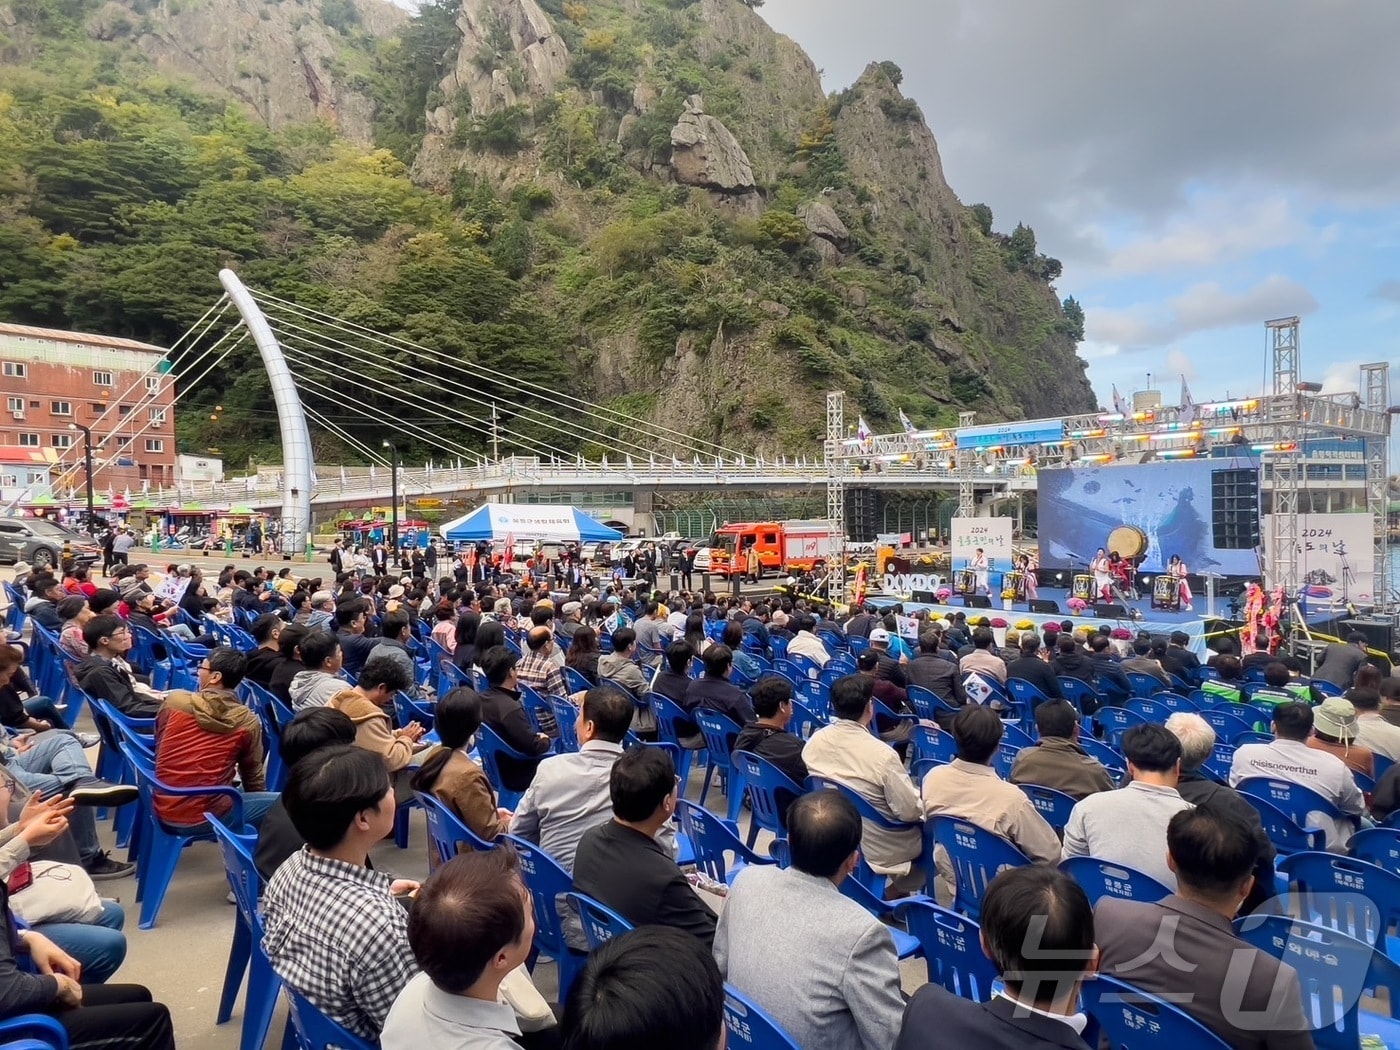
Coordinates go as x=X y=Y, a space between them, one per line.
x=203 y=738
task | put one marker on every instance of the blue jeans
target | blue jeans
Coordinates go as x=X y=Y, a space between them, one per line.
x=42 y=707
x=255 y=807
x=100 y=945
x=52 y=762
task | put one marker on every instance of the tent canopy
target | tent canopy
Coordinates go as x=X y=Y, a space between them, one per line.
x=548 y=524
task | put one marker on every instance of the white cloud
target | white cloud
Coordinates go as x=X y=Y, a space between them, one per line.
x=1219 y=230
x=1388 y=290
x=1179 y=363
x=1342 y=376
x=1199 y=308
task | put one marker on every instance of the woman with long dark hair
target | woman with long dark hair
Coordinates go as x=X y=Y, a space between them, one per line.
x=695 y=635
x=583 y=654
x=464 y=653
x=450 y=775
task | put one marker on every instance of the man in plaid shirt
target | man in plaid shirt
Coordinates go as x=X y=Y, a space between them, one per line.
x=334 y=930
x=538 y=670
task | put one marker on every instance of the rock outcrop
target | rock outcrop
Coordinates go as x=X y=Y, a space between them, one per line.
x=510 y=52
x=705 y=153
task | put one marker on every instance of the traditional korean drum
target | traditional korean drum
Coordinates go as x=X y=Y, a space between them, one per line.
x=1084 y=586
x=1166 y=592
x=965 y=581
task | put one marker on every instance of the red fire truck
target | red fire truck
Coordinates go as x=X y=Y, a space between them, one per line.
x=783 y=546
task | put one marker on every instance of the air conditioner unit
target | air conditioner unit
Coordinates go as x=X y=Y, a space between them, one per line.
x=18 y=413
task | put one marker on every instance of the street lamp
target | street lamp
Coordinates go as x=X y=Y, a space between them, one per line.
x=87 y=462
x=394 y=497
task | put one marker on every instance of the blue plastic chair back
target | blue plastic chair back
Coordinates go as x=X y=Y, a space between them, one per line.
x=33 y=1031
x=1116 y=721
x=1287 y=835
x=1101 y=878
x=763 y=781
x=1079 y=692
x=1352 y=896
x=805 y=721
x=316 y=1031
x=1026 y=692
x=577 y=682
x=1054 y=806
x=566 y=718
x=489 y=749
x=750 y=1027
x=1143 y=685
x=929 y=705
x=600 y=923
x=1153 y=710
x=1128 y=1017
x=1228 y=727
x=1294 y=799
x=1334 y=971
x=720 y=732
x=934 y=744
x=246 y=951
x=977 y=855
x=863 y=805
x=670 y=720
x=1379 y=846
x=1217 y=766
x=1004 y=759
x=1111 y=758
x=446 y=830
x=953 y=948
x=547 y=881
x=712 y=838
x=407 y=710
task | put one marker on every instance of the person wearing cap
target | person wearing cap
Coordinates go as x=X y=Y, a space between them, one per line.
x=1290 y=757
x=1334 y=731
x=890 y=668
x=572 y=613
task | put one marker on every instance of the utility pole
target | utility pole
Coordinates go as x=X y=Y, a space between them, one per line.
x=87 y=462
x=495 y=434
x=394 y=497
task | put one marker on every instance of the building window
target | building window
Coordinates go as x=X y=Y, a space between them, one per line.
x=155 y=445
x=16 y=405
x=123 y=410
x=157 y=416
x=63 y=441
x=102 y=378
x=16 y=370
x=96 y=409
x=29 y=440
x=153 y=384
x=61 y=408
x=9 y=481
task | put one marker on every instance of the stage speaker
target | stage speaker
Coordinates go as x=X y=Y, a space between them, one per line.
x=1111 y=612
x=977 y=601
x=928 y=597
x=1234 y=509
x=1041 y=605
x=1380 y=634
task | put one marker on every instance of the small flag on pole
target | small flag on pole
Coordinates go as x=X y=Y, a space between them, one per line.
x=1120 y=405
x=862 y=429
x=1188 y=406
x=904 y=422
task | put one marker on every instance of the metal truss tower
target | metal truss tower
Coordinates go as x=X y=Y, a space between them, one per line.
x=836 y=491
x=1285 y=415
x=1375 y=397
x=967 y=463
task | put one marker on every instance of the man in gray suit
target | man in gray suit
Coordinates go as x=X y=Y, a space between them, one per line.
x=1184 y=949
x=818 y=962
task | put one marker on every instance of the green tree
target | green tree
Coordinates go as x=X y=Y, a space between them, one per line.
x=982 y=215
x=1021 y=246
x=1074 y=319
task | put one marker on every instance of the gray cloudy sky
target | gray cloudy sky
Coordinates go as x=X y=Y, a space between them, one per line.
x=1199 y=165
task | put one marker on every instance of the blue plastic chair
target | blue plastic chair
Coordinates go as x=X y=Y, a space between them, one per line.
x=763 y=780
x=446 y=830
x=934 y=744
x=750 y=1027
x=246 y=953
x=489 y=749
x=1101 y=878
x=1345 y=894
x=408 y=710
x=929 y=705
x=1111 y=758
x=600 y=923
x=1129 y=1017
x=1015 y=736
x=1079 y=692
x=720 y=733
x=1004 y=759
x=1116 y=721
x=1287 y=835
x=953 y=949
x=1152 y=710
x=547 y=881
x=711 y=838
x=1175 y=702
x=1379 y=846
x=161 y=844
x=1025 y=692
x=33 y=1031
x=868 y=813
x=977 y=855
x=316 y=1031
x=1294 y=799
x=577 y=682
x=1228 y=727
x=670 y=719
x=805 y=721
x=1334 y=971
x=1217 y=766
x=1143 y=685
x=1054 y=806
x=566 y=718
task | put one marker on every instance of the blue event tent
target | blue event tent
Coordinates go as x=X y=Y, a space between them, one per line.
x=548 y=524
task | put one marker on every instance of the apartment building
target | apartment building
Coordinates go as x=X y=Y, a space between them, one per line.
x=52 y=383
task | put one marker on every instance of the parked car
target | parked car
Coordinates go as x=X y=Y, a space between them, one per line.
x=44 y=544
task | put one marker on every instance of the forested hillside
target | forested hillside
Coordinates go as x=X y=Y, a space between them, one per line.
x=647 y=202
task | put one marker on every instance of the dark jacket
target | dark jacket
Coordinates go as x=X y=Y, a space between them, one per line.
x=1110 y=671
x=278 y=839
x=20 y=992
x=12 y=710
x=1183 y=663
x=859 y=625
x=103 y=680
x=45 y=614
x=279 y=684
x=939 y=675
x=889 y=669
x=261 y=665
x=937 y=1017
x=780 y=747
x=1036 y=671
x=1339 y=664
x=502 y=710
x=633 y=875
x=1077 y=664
x=717 y=694
x=356 y=649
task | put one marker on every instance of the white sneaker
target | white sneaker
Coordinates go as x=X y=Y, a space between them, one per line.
x=88 y=739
